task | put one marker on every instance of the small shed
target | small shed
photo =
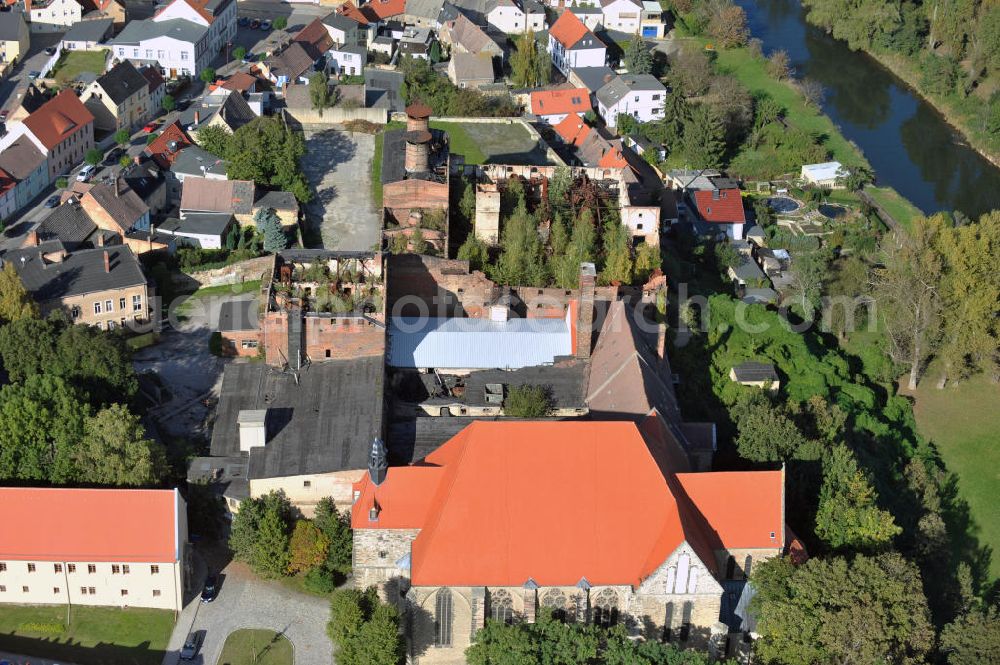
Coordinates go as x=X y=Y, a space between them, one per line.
x=760 y=375
x=822 y=175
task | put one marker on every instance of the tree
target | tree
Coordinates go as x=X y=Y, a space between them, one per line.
x=864 y=610
x=319 y=92
x=647 y=259
x=309 y=547
x=15 y=301
x=854 y=178
x=151 y=138
x=169 y=103
x=336 y=526
x=618 y=266
x=691 y=71
x=280 y=23
x=530 y=66
x=766 y=433
x=364 y=629
x=122 y=137
x=625 y=124
x=475 y=252
x=734 y=104
x=527 y=402
x=848 y=514
x=728 y=25
x=638 y=59
x=269 y=224
x=704 y=138
x=808 y=273
x=812 y=92
x=207 y=75
x=973 y=638
x=467 y=204
x=124 y=161
x=521 y=260
x=907 y=293
x=270 y=551
x=560 y=185
x=240 y=52
x=435 y=54
x=114 y=450
x=93 y=157
x=215 y=139
x=267 y=151
x=779 y=65
x=259 y=534
x=581 y=249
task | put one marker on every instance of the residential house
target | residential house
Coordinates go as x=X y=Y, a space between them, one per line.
x=103 y=287
x=106 y=9
x=552 y=106
x=572 y=44
x=62 y=129
x=468 y=70
x=225 y=109
x=416 y=42
x=464 y=36
x=315 y=35
x=572 y=130
x=589 y=14
x=365 y=17
x=218 y=17
x=292 y=65
x=8 y=195
x=119 y=99
x=15 y=38
x=621 y=15
x=68 y=224
x=436 y=533
x=167 y=144
x=53 y=15
x=30 y=101
x=422 y=13
x=116 y=208
x=147 y=181
x=342 y=30
x=206 y=195
x=156 y=86
x=192 y=162
x=103 y=547
x=385 y=9
x=514 y=17
x=383 y=44
x=826 y=174
x=178 y=47
x=651 y=23
x=88 y=35
x=348 y=60
x=26 y=164
x=719 y=212
x=591 y=78
x=756 y=374
x=638 y=95
x=208 y=230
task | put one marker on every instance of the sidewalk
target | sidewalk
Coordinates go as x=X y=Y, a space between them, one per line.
x=28 y=660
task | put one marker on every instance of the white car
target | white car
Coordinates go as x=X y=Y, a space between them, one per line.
x=86 y=173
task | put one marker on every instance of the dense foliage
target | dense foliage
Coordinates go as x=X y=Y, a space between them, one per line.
x=364 y=630
x=527 y=402
x=424 y=84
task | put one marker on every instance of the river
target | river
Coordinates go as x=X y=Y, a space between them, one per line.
x=910 y=146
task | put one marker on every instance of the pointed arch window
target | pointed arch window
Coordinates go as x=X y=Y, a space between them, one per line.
x=501 y=606
x=443 y=618
x=555 y=599
x=606 y=608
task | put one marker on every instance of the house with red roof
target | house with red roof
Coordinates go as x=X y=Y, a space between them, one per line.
x=593 y=520
x=108 y=547
x=552 y=106
x=719 y=212
x=62 y=129
x=572 y=44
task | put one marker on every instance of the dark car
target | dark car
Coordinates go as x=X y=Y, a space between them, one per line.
x=191 y=646
x=113 y=157
x=52 y=201
x=254 y=24
x=210 y=590
x=34 y=74
x=242 y=21
x=50 y=50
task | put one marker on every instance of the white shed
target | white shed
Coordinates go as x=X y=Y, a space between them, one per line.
x=824 y=175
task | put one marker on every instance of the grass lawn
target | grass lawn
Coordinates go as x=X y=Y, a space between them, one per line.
x=461 y=143
x=260 y=647
x=501 y=142
x=73 y=63
x=899 y=208
x=95 y=635
x=963 y=422
x=184 y=308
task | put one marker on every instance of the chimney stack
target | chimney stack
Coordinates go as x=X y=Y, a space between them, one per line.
x=585 y=310
x=197 y=117
x=417 y=157
x=32 y=240
x=253 y=428
x=100 y=240
x=107 y=261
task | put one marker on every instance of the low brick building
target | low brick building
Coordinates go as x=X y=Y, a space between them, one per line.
x=501 y=521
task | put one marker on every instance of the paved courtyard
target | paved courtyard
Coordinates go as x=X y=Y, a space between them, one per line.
x=338 y=166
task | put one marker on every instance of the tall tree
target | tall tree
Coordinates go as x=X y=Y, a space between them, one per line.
x=766 y=432
x=260 y=533
x=866 y=610
x=638 y=59
x=308 y=547
x=15 y=301
x=475 y=252
x=530 y=65
x=618 y=264
x=848 y=515
x=319 y=92
x=581 y=249
x=364 y=629
x=521 y=258
x=270 y=551
x=269 y=224
x=728 y=25
x=973 y=638
x=336 y=526
x=267 y=151
x=114 y=450
x=215 y=139
x=704 y=138
x=907 y=293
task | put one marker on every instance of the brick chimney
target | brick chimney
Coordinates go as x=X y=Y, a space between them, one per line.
x=32 y=240
x=585 y=310
x=197 y=118
x=152 y=231
x=107 y=261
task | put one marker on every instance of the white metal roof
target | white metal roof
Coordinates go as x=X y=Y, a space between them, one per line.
x=457 y=343
x=824 y=171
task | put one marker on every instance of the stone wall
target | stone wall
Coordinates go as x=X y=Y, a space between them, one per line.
x=325 y=337
x=306 y=491
x=236 y=273
x=405 y=195
x=310 y=118
x=376 y=552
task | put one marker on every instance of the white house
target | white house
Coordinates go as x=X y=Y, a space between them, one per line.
x=347 y=60
x=342 y=30
x=638 y=95
x=178 y=47
x=621 y=15
x=218 y=16
x=590 y=15
x=572 y=44
x=823 y=175
x=515 y=16
x=52 y=15
x=652 y=24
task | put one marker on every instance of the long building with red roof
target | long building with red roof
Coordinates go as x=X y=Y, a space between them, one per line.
x=595 y=520
x=62 y=129
x=572 y=44
x=111 y=547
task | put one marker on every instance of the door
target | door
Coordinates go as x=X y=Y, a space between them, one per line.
x=649 y=31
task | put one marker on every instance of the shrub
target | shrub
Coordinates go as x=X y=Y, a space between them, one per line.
x=528 y=402
x=319 y=580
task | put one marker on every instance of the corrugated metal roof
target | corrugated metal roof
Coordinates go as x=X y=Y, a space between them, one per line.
x=824 y=171
x=458 y=343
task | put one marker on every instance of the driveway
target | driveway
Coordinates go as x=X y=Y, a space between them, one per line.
x=247 y=602
x=338 y=166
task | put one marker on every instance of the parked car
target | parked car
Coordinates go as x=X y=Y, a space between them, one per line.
x=34 y=74
x=50 y=50
x=3 y=115
x=265 y=25
x=254 y=24
x=210 y=590
x=86 y=173
x=150 y=127
x=243 y=21
x=191 y=645
x=52 y=201
x=113 y=157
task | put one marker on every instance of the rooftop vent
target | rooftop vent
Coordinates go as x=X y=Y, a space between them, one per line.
x=253 y=428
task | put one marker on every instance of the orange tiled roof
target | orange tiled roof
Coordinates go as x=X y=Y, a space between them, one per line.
x=316 y=35
x=364 y=15
x=240 y=82
x=197 y=5
x=57 y=524
x=723 y=206
x=159 y=149
x=386 y=8
x=568 y=29
x=572 y=129
x=502 y=502
x=613 y=159
x=58 y=119
x=552 y=102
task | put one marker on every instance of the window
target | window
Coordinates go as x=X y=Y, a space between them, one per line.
x=606 y=608
x=57 y=567
x=555 y=599
x=109 y=306
x=159 y=55
x=115 y=569
x=248 y=343
x=91 y=590
x=638 y=227
x=156 y=593
x=442 y=618
x=3 y=589
x=121 y=303
x=71 y=567
x=154 y=569
x=75 y=311
x=124 y=592
x=83 y=591
x=184 y=55
x=149 y=54
x=31 y=567
x=55 y=591
x=3 y=567
x=135 y=53
x=136 y=303
x=24 y=589
x=307 y=483
x=656 y=97
x=125 y=570
x=111 y=325
x=501 y=606
x=91 y=568
x=97 y=307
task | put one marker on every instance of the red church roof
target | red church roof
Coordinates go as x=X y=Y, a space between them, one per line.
x=722 y=206
x=57 y=524
x=504 y=502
